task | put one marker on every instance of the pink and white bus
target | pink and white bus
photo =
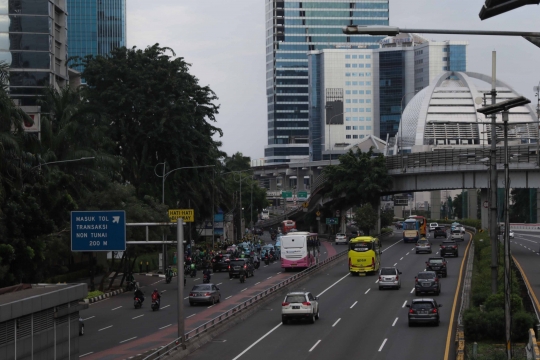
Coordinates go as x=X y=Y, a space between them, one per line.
x=294 y=250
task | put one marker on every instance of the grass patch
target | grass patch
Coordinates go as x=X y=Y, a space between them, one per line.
x=491 y=351
x=92 y=294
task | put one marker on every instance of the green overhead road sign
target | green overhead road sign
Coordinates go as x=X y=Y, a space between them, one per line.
x=286 y=194
x=331 y=221
x=302 y=194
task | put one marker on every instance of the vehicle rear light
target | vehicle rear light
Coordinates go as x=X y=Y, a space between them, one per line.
x=434 y=311
x=412 y=311
x=306 y=303
x=397 y=277
x=136 y=299
x=380 y=278
x=455 y=247
x=207 y=294
x=416 y=280
x=436 y=279
x=191 y=294
x=285 y=304
x=229 y=267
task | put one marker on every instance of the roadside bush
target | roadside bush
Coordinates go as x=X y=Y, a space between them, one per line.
x=474 y=324
x=496 y=301
x=521 y=323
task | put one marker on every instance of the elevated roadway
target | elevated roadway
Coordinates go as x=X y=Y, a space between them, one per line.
x=357 y=320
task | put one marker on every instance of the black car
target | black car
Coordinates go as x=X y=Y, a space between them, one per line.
x=236 y=264
x=449 y=247
x=438 y=265
x=439 y=231
x=426 y=282
x=258 y=231
x=221 y=262
x=424 y=311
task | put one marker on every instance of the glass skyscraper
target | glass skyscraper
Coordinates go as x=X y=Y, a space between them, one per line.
x=292 y=29
x=95 y=27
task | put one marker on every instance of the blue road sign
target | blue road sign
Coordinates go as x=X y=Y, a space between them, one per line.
x=98 y=230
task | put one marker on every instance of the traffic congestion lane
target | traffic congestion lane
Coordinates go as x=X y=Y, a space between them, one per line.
x=120 y=326
x=355 y=319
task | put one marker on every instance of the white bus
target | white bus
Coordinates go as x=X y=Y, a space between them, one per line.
x=294 y=250
x=265 y=214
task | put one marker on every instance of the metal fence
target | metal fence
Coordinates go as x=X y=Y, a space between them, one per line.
x=467 y=156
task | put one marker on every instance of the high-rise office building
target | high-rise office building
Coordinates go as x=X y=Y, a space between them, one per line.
x=33 y=45
x=95 y=27
x=292 y=29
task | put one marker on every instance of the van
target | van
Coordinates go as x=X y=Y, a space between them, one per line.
x=457 y=234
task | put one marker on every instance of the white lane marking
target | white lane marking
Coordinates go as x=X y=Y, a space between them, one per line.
x=228 y=297
x=265 y=265
x=100 y=301
x=313 y=347
x=163 y=327
x=166 y=306
x=394 y=323
x=210 y=306
x=436 y=253
x=407 y=254
x=279 y=272
x=268 y=277
x=116 y=308
x=331 y=286
x=105 y=328
x=123 y=341
x=367 y=291
x=88 y=318
x=377 y=281
x=137 y=316
x=395 y=264
x=257 y=283
x=190 y=316
x=401 y=258
x=412 y=249
x=230 y=278
x=258 y=341
x=197 y=279
x=405 y=303
x=382 y=345
x=412 y=290
x=187 y=297
x=164 y=291
x=397 y=242
x=83 y=355
x=336 y=322
x=353 y=304
x=243 y=290
x=219 y=283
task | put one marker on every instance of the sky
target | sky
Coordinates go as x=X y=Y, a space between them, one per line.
x=224 y=41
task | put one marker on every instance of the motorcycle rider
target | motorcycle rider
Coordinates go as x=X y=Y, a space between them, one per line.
x=273 y=254
x=193 y=269
x=139 y=294
x=242 y=273
x=156 y=296
x=168 y=272
x=207 y=272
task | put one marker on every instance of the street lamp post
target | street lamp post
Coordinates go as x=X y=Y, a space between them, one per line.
x=163 y=178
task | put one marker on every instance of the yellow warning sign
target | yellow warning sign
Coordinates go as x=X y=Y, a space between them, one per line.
x=188 y=215
x=305 y=205
x=318 y=213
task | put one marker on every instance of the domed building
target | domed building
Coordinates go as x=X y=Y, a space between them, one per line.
x=444 y=115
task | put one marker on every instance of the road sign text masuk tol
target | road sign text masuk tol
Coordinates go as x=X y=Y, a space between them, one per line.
x=98 y=230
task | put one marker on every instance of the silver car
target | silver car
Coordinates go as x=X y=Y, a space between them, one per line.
x=423 y=245
x=204 y=293
x=300 y=305
x=389 y=278
x=341 y=238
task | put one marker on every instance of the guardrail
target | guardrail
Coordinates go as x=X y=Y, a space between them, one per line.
x=451 y=157
x=204 y=328
x=198 y=331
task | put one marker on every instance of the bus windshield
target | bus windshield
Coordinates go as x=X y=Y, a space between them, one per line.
x=410 y=225
x=361 y=246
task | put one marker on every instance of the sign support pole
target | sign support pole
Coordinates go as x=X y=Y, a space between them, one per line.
x=180 y=262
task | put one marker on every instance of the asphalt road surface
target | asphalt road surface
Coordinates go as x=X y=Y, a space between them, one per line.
x=114 y=329
x=525 y=247
x=357 y=320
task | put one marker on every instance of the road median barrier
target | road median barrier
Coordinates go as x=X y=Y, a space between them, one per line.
x=103 y=296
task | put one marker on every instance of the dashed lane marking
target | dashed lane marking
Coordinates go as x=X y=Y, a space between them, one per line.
x=166 y=306
x=190 y=316
x=405 y=303
x=137 y=317
x=382 y=345
x=88 y=318
x=394 y=323
x=336 y=322
x=163 y=327
x=356 y=302
x=116 y=308
x=105 y=328
x=367 y=291
x=395 y=264
x=123 y=341
x=412 y=290
x=83 y=355
x=313 y=347
x=228 y=297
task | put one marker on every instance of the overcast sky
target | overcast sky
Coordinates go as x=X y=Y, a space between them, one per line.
x=224 y=41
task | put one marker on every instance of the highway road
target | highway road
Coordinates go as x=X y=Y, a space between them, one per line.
x=115 y=329
x=525 y=248
x=357 y=320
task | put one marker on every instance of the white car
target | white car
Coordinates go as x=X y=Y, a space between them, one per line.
x=300 y=305
x=511 y=234
x=341 y=239
x=432 y=226
x=457 y=234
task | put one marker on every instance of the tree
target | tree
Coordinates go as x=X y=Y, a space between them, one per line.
x=366 y=218
x=387 y=217
x=523 y=205
x=237 y=162
x=359 y=178
x=457 y=205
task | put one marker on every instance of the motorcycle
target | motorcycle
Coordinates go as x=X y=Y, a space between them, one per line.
x=271 y=258
x=257 y=265
x=168 y=279
x=193 y=273
x=266 y=260
x=155 y=305
x=242 y=278
x=131 y=285
x=206 y=279
x=137 y=302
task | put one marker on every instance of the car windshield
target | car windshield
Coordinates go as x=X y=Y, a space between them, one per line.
x=455 y=231
x=295 y=298
x=426 y=276
x=237 y=263
x=340 y=234
x=423 y=242
x=436 y=261
x=409 y=225
x=388 y=271
x=422 y=306
x=361 y=246
x=434 y=224
x=202 y=288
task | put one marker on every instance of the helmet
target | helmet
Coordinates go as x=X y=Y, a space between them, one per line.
x=155 y=290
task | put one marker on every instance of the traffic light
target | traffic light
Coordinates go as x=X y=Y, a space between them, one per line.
x=496 y=7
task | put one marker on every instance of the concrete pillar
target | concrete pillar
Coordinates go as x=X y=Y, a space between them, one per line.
x=435 y=204
x=484 y=211
x=472 y=204
x=538 y=207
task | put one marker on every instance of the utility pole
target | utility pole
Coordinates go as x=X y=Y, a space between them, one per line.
x=180 y=282
x=493 y=228
x=507 y=275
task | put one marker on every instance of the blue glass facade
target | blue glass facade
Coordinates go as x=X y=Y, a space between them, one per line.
x=292 y=29
x=457 y=58
x=391 y=90
x=315 y=105
x=95 y=27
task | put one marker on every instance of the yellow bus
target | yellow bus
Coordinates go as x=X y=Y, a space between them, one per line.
x=364 y=255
